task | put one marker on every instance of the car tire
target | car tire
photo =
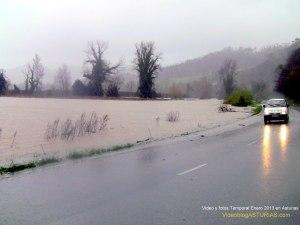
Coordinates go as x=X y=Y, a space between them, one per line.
x=265 y=120
x=286 y=120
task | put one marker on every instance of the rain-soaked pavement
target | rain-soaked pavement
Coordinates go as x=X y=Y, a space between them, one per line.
x=167 y=182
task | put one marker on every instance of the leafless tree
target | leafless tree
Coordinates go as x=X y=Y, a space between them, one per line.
x=34 y=73
x=100 y=68
x=147 y=63
x=79 y=88
x=113 y=84
x=260 y=89
x=62 y=80
x=201 y=88
x=3 y=82
x=131 y=86
x=228 y=75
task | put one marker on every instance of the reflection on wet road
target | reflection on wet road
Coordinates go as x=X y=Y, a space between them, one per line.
x=270 y=146
x=283 y=138
x=266 y=150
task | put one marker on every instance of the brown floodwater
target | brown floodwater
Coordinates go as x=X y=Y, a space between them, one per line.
x=23 y=122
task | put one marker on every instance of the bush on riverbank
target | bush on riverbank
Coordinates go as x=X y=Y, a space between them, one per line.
x=240 y=97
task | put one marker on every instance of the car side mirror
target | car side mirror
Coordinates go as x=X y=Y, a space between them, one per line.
x=264 y=106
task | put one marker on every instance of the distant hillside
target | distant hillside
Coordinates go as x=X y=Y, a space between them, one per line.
x=267 y=70
x=252 y=64
x=208 y=64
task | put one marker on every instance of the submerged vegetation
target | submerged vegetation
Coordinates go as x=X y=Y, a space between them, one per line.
x=173 y=116
x=225 y=108
x=69 y=129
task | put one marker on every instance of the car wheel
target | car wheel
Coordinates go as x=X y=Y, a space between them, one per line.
x=286 y=120
x=265 y=120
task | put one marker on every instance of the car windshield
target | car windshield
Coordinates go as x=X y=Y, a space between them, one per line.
x=276 y=103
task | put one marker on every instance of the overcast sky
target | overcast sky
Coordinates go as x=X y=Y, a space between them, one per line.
x=59 y=30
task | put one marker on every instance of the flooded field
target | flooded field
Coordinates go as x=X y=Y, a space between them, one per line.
x=23 y=122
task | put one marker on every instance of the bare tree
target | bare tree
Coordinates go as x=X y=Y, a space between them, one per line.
x=79 y=88
x=62 y=80
x=201 y=88
x=228 y=75
x=131 y=86
x=147 y=64
x=260 y=89
x=113 y=84
x=34 y=73
x=100 y=68
x=3 y=82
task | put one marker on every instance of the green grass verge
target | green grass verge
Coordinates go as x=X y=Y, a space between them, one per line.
x=257 y=108
x=15 y=167
x=48 y=160
x=92 y=152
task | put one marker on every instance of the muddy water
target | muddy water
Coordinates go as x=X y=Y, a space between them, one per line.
x=23 y=122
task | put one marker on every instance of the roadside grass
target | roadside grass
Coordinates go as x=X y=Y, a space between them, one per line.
x=257 y=108
x=16 y=167
x=47 y=160
x=93 y=152
x=242 y=97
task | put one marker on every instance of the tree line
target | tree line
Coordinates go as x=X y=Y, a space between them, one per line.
x=226 y=82
x=222 y=85
x=100 y=77
x=288 y=82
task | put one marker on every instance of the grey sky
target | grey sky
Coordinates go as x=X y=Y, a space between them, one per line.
x=58 y=30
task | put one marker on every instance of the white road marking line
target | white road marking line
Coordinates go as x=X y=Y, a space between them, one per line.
x=190 y=170
x=253 y=142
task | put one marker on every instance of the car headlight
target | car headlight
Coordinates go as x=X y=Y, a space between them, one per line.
x=267 y=112
x=284 y=111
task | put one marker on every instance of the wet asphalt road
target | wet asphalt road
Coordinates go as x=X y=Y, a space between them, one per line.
x=165 y=182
